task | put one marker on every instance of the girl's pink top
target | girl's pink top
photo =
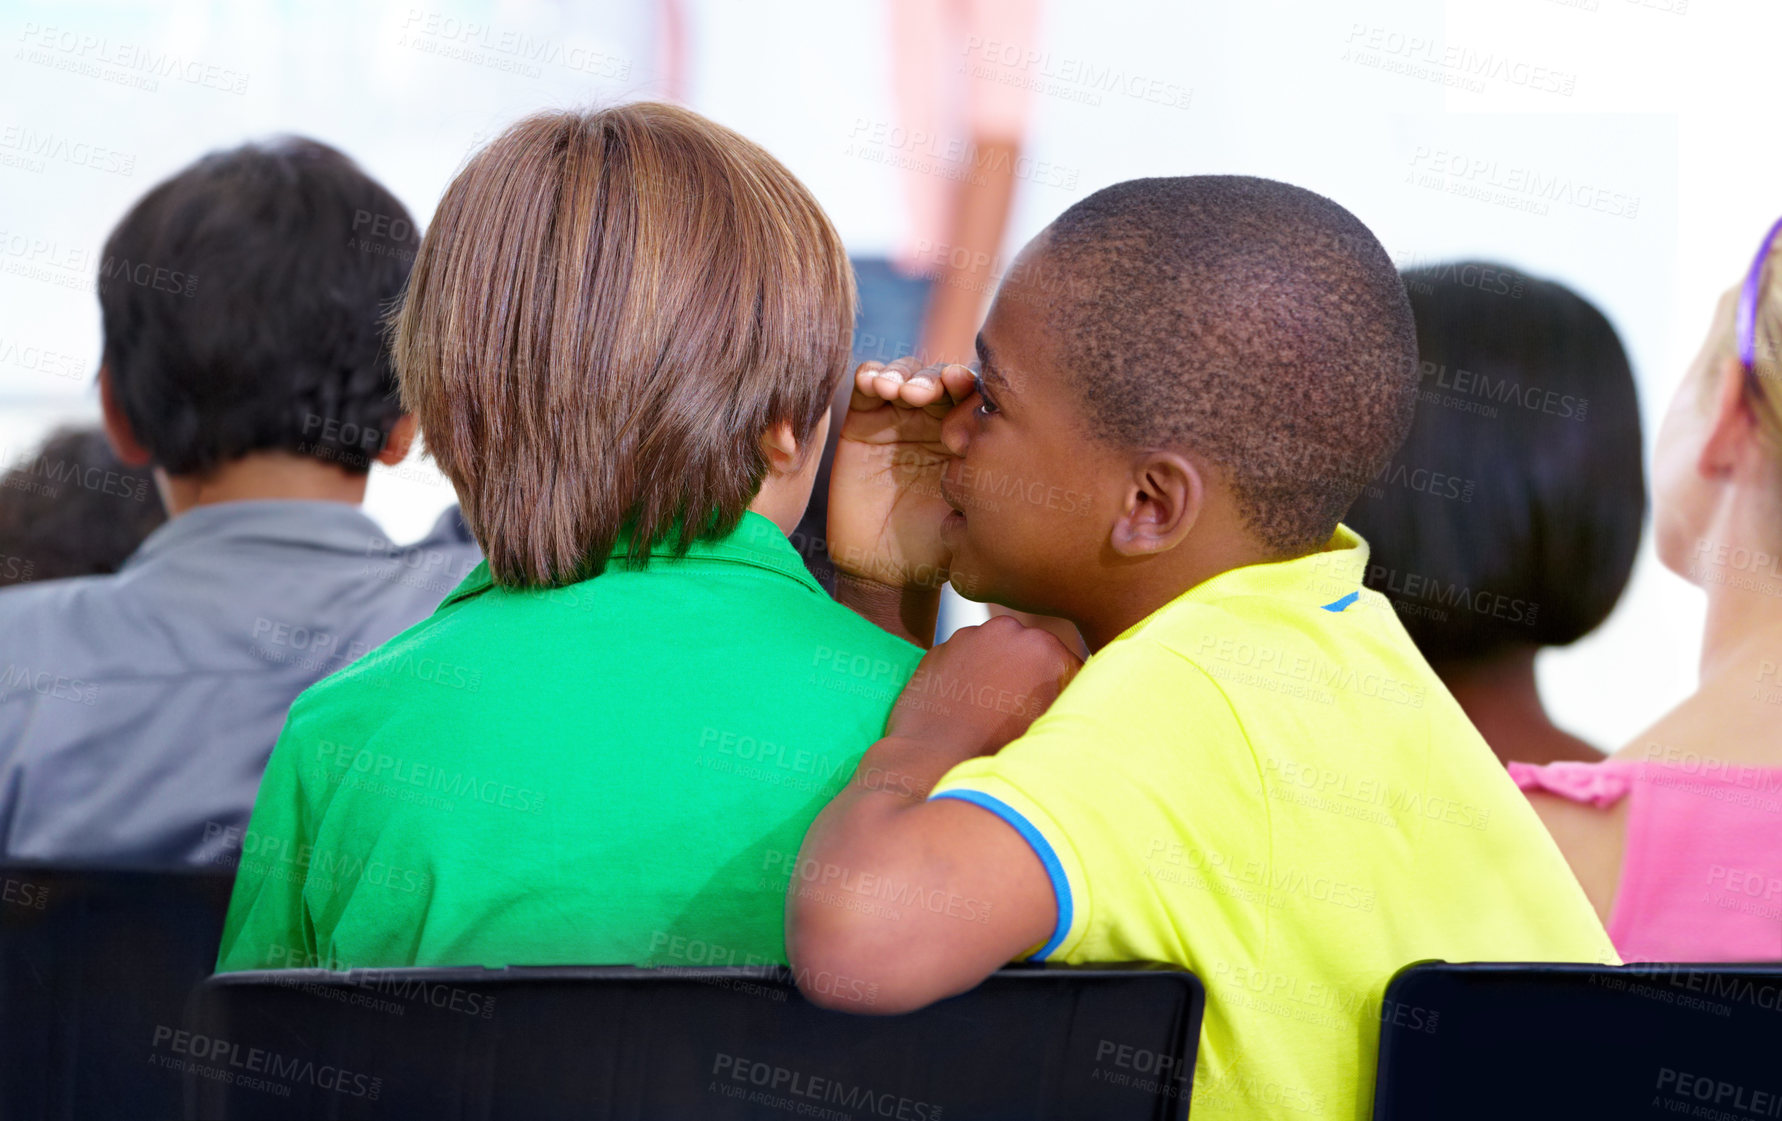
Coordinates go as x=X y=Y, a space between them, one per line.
x=1701 y=878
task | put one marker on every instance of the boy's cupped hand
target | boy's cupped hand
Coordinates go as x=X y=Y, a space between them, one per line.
x=885 y=504
x=980 y=689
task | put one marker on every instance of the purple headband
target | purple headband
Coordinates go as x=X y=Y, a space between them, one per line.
x=1747 y=321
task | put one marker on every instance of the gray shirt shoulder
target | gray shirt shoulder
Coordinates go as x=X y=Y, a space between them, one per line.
x=137 y=710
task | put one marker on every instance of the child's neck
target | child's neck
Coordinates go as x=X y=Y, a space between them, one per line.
x=1125 y=595
x=1500 y=696
x=261 y=475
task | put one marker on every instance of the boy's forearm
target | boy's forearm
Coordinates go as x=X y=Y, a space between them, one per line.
x=881 y=831
x=909 y=612
x=894 y=774
x=845 y=844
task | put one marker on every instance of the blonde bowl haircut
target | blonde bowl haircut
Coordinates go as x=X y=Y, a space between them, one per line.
x=609 y=310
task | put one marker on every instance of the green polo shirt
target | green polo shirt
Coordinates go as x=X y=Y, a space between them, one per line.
x=616 y=771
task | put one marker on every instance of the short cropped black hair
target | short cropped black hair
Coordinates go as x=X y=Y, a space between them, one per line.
x=1525 y=393
x=241 y=302
x=71 y=508
x=1249 y=321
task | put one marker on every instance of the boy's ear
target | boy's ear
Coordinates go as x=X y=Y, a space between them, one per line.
x=1164 y=497
x=122 y=437
x=402 y=437
x=784 y=456
x=1734 y=428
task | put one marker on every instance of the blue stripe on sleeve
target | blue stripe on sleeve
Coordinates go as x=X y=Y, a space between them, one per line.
x=1041 y=849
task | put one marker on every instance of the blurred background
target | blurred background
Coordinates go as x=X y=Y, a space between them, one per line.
x=1614 y=145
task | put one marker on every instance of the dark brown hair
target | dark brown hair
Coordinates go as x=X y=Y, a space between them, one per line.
x=1255 y=322
x=242 y=301
x=608 y=311
x=72 y=508
x=1526 y=389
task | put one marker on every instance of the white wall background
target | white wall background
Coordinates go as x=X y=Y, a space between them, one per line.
x=1658 y=105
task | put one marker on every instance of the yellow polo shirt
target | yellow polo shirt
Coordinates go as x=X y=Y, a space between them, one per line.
x=1265 y=783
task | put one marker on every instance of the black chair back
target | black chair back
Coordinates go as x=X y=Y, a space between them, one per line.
x=94 y=965
x=1533 y=1042
x=1108 y=1042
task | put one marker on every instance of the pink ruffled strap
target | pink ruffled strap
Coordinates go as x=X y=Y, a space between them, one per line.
x=1596 y=784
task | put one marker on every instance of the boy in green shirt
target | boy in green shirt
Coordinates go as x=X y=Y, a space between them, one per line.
x=621 y=339
x=1183 y=385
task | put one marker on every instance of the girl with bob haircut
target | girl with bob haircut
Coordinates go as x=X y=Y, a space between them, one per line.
x=621 y=339
x=1523 y=385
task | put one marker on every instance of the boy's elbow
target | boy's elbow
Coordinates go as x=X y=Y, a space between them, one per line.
x=847 y=983
x=841 y=962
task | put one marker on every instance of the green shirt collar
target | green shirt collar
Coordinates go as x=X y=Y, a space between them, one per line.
x=756 y=542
